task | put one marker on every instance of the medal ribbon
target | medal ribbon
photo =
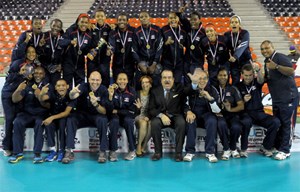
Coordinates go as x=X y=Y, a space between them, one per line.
x=125 y=39
x=52 y=44
x=146 y=38
x=236 y=40
x=36 y=40
x=216 y=48
x=221 y=93
x=80 y=42
x=177 y=38
x=193 y=38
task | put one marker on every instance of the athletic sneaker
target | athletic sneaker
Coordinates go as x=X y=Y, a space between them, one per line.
x=244 y=154
x=16 y=158
x=226 y=155
x=51 y=157
x=130 y=156
x=235 y=154
x=266 y=152
x=188 y=157
x=102 y=157
x=37 y=159
x=69 y=156
x=281 y=155
x=60 y=156
x=211 y=158
x=7 y=153
x=113 y=156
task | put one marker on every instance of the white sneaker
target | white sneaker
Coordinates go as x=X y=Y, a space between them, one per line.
x=235 y=154
x=130 y=156
x=7 y=153
x=211 y=158
x=281 y=155
x=226 y=155
x=244 y=154
x=188 y=157
x=266 y=152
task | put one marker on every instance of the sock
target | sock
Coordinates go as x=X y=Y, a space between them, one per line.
x=52 y=148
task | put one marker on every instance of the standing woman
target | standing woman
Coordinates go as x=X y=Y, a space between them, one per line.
x=142 y=120
x=78 y=42
x=238 y=41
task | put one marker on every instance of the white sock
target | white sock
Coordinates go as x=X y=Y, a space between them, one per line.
x=52 y=148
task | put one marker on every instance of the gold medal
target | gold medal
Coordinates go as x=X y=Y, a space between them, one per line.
x=115 y=86
x=34 y=87
x=123 y=50
x=91 y=94
x=148 y=46
x=192 y=47
x=79 y=52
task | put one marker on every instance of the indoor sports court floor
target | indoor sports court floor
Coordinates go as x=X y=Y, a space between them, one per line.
x=256 y=173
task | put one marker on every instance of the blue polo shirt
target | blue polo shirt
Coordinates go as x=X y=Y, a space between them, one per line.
x=255 y=89
x=84 y=103
x=59 y=104
x=282 y=88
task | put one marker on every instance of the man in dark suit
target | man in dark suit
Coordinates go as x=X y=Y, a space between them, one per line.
x=166 y=110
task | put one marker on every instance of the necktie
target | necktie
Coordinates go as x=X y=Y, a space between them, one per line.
x=167 y=97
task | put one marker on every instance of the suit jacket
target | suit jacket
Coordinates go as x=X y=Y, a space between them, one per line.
x=175 y=106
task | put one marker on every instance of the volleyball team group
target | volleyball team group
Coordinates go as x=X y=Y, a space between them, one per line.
x=59 y=82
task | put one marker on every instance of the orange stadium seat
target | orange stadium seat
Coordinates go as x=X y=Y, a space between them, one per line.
x=7 y=22
x=296 y=29
x=5 y=59
x=288 y=29
x=25 y=22
x=15 y=22
x=2 y=44
x=284 y=24
x=5 y=52
x=4 y=32
x=293 y=35
x=9 y=45
x=225 y=19
x=288 y=19
x=111 y=21
x=297 y=41
x=293 y=24
x=164 y=20
x=154 y=20
x=279 y=19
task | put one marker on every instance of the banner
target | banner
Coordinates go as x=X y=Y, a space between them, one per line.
x=87 y=139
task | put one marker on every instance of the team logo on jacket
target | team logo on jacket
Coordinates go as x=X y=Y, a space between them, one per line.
x=129 y=39
x=152 y=37
x=126 y=99
x=228 y=94
x=85 y=41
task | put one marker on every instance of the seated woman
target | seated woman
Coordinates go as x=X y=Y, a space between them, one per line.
x=142 y=120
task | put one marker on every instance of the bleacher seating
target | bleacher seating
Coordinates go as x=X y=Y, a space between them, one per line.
x=282 y=8
x=26 y=9
x=160 y=9
x=287 y=15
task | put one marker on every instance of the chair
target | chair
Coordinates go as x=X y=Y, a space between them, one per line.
x=284 y=24
x=279 y=19
x=297 y=41
x=293 y=35
x=288 y=29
